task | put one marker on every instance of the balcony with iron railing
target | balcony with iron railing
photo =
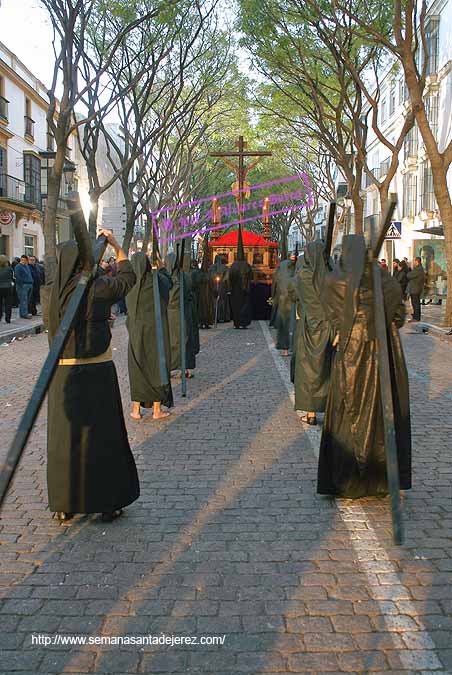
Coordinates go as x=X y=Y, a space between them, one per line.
x=18 y=191
x=3 y=108
x=29 y=126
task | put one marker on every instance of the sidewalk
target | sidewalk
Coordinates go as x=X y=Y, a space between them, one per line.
x=19 y=327
x=432 y=317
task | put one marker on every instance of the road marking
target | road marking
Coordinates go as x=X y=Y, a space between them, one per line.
x=425 y=642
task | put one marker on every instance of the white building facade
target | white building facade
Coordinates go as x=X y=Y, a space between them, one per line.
x=417 y=214
x=23 y=134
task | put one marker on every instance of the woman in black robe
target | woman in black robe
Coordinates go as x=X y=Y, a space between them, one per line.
x=352 y=453
x=90 y=468
x=146 y=387
x=313 y=350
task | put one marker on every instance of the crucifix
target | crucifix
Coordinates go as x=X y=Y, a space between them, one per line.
x=241 y=171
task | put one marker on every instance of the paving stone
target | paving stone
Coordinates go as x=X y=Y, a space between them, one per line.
x=229 y=537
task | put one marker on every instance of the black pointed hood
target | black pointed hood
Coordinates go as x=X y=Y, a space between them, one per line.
x=240 y=249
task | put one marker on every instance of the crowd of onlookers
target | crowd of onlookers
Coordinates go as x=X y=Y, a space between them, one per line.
x=412 y=282
x=20 y=286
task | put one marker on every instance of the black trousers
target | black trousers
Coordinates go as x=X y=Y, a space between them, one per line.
x=416 y=304
x=6 y=301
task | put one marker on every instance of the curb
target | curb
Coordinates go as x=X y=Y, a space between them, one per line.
x=8 y=335
x=436 y=331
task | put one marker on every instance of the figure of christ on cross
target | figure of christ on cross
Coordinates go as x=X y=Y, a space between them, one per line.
x=241 y=171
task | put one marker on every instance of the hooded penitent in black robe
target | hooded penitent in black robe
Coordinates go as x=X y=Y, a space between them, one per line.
x=352 y=453
x=312 y=344
x=146 y=386
x=193 y=273
x=219 y=275
x=174 y=316
x=90 y=468
x=205 y=291
x=240 y=277
x=286 y=271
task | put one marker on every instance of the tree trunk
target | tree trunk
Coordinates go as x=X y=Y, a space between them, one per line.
x=358 y=209
x=49 y=228
x=445 y=207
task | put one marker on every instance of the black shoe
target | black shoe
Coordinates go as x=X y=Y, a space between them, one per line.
x=109 y=516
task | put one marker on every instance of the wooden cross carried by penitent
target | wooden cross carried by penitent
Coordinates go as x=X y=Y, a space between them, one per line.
x=240 y=170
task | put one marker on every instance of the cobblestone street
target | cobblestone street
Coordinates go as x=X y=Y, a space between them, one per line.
x=229 y=537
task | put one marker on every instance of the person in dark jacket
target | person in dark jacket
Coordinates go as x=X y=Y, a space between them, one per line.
x=90 y=467
x=24 y=286
x=146 y=387
x=352 y=460
x=6 y=288
x=416 y=281
x=401 y=276
x=35 y=297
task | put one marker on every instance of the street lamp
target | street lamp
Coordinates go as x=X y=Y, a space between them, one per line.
x=69 y=169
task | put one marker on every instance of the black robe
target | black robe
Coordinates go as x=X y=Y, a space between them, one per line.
x=205 y=307
x=90 y=468
x=240 y=276
x=143 y=359
x=352 y=453
x=312 y=344
x=174 y=317
x=219 y=274
x=284 y=315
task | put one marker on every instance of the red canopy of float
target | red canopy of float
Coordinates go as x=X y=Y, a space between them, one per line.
x=249 y=239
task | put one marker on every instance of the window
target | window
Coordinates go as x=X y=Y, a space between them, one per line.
x=32 y=178
x=410 y=146
x=3 y=101
x=258 y=259
x=428 y=202
x=401 y=91
x=431 y=109
x=3 y=157
x=432 y=46
x=409 y=195
x=392 y=100
x=29 y=122
x=29 y=244
x=383 y=110
x=384 y=167
x=50 y=140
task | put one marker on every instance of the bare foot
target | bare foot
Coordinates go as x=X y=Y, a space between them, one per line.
x=160 y=415
x=135 y=416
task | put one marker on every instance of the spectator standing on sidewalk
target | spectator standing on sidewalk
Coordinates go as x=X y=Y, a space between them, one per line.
x=24 y=286
x=6 y=288
x=35 y=297
x=416 y=281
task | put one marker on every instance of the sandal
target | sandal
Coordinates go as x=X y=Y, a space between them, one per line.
x=109 y=516
x=62 y=516
x=309 y=419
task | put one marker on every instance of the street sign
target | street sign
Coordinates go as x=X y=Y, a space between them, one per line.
x=395 y=230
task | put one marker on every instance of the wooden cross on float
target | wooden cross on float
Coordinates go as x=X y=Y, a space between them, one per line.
x=241 y=171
